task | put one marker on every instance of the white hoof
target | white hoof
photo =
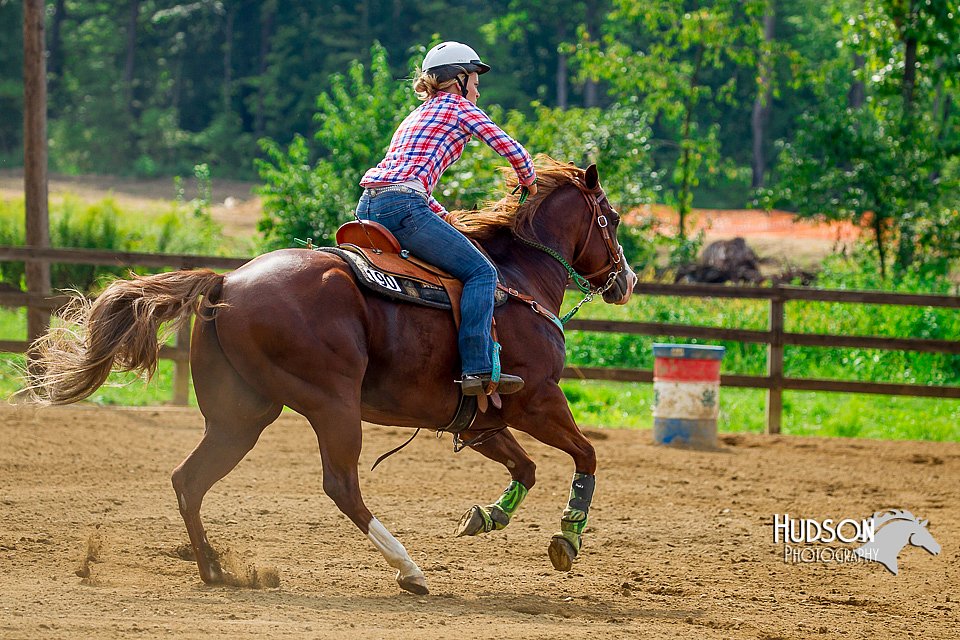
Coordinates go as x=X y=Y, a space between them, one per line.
x=416 y=584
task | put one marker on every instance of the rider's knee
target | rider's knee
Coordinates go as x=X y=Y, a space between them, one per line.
x=484 y=273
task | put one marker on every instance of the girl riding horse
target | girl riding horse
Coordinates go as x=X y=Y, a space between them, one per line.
x=398 y=194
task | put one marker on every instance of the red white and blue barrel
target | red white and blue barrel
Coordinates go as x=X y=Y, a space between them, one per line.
x=686 y=394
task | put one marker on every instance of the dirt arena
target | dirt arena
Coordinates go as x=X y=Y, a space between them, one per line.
x=679 y=544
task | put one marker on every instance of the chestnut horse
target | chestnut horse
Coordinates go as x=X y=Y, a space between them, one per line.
x=293 y=328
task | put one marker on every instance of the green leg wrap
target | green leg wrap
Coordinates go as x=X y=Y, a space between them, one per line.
x=574 y=519
x=508 y=504
x=495 y=516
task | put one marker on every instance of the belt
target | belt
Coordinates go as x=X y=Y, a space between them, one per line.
x=373 y=192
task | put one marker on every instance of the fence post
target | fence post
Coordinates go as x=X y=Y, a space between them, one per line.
x=181 y=367
x=775 y=363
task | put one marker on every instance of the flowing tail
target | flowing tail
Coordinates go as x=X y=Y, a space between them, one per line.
x=117 y=331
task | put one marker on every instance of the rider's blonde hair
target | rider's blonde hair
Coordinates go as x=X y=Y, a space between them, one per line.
x=426 y=85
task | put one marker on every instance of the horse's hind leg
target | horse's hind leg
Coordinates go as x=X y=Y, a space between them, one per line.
x=339 y=436
x=505 y=449
x=235 y=415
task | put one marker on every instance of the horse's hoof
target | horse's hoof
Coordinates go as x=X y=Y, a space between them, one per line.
x=414 y=584
x=562 y=554
x=214 y=576
x=472 y=522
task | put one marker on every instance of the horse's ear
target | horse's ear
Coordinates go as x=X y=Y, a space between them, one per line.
x=592 y=177
x=924 y=523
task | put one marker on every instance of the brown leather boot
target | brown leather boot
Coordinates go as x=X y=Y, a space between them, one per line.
x=476 y=385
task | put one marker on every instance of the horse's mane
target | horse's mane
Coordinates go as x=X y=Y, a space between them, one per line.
x=507 y=212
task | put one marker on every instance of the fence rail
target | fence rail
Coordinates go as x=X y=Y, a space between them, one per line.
x=775 y=337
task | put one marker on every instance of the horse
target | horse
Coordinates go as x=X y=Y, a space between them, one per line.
x=293 y=328
x=901 y=528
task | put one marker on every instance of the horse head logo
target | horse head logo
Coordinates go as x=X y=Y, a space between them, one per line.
x=899 y=528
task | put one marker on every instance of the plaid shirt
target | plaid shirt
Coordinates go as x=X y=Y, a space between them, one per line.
x=432 y=138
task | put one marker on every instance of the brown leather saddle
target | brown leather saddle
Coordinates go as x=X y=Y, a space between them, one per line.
x=381 y=249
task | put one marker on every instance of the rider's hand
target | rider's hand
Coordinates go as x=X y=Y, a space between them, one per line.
x=532 y=189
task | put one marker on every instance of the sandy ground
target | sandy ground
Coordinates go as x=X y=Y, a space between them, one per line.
x=679 y=543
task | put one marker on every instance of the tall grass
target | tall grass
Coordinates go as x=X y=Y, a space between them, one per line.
x=181 y=228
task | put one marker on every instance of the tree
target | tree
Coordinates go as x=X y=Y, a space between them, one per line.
x=356 y=119
x=887 y=161
x=761 y=104
x=662 y=52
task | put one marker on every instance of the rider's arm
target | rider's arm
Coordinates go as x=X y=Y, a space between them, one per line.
x=475 y=122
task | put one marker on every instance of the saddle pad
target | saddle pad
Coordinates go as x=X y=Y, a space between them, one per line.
x=398 y=286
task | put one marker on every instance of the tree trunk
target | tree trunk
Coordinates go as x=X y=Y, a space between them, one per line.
x=128 y=67
x=35 y=158
x=267 y=13
x=562 y=81
x=228 y=59
x=55 y=47
x=857 y=94
x=909 y=58
x=593 y=31
x=761 y=105
x=881 y=244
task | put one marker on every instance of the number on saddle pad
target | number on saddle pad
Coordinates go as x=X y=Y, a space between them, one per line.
x=368 y=235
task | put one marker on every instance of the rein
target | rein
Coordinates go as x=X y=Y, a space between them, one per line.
x=614 y=260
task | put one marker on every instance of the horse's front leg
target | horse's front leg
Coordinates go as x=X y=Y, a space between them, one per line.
x=546 y=416
x=503 y=448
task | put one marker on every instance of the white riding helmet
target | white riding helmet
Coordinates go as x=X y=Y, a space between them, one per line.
x=447 y=56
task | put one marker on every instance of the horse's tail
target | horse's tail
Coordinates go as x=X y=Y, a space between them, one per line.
x=117 y=331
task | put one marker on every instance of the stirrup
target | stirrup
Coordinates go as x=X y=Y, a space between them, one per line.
x=480 y=384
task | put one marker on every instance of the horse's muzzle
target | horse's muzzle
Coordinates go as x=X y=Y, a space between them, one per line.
x=622 y=287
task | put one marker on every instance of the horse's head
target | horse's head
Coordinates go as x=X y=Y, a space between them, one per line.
x=569 y=218
x=922 y=538
x=598 y=255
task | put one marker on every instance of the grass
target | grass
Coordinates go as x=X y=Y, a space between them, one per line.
x=629 y=405
x=626 y=405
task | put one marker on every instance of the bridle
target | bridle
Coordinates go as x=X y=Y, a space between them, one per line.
x=614 y=264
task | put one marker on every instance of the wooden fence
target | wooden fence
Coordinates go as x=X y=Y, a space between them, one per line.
x=775 y=336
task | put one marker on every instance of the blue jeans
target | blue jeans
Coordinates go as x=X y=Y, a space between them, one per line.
x=427 y=236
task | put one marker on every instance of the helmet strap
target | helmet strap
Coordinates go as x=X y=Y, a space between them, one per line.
x=462 y=81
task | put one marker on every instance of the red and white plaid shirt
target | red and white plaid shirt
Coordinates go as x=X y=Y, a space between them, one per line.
x=432 y=138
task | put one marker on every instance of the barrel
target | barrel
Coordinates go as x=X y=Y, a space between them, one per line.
x=686 y=394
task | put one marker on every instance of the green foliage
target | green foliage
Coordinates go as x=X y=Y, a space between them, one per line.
x=103 y=225
x=659 y=52
x=356 y=119
x=617 y=139
x=885 y=162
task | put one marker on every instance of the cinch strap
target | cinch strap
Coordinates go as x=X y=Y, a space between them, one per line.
x=495 y=373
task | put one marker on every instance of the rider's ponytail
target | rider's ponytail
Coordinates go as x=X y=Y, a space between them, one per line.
x=427 y=85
